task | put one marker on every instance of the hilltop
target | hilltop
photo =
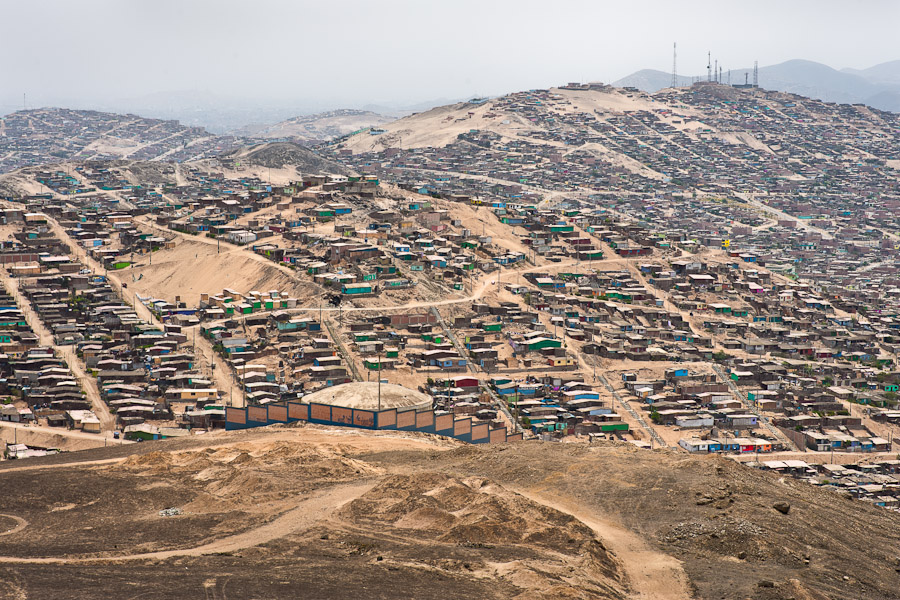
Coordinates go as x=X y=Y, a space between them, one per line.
x=877 y=86
x=282 y=154
x=309 y=512
x=583 y=139
x=311 y=129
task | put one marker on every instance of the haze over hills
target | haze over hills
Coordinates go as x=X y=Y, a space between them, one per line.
x=43 y=136
x=877 y=86
x=603 y=210
x=40 y=136
x=320 y=127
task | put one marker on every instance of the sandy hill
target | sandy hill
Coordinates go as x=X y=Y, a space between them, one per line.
x=282 y=154
x=619 y=128
x=303 y=512
x=318 y=127
x=523 y=116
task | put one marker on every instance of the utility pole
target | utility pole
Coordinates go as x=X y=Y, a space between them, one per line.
x=379 y=381
x=517 y=401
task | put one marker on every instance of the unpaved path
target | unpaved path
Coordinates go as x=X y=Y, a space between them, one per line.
x=19 y=526
x=650 y=574
x=88 y=384
x=221 y=374
x=84 y=463
x=317 y=507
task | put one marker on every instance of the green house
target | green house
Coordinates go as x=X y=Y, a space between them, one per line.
x=606 y=427
x=356 y=288
x=498 y=326
x=541 y=343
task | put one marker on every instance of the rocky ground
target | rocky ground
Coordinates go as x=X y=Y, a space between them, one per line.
x=311 y=512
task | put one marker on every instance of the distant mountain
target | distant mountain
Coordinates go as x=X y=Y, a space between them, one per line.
x=651 y=80
x=886 y=73
x=877 y=86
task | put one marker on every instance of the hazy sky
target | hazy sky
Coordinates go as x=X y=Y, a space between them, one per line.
x=334 y=52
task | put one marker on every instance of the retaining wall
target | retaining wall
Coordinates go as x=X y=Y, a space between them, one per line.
x=463 y=428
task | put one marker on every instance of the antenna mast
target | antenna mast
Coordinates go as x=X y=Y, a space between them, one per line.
x=674 y=64
x=708 y=66
x=756 y=73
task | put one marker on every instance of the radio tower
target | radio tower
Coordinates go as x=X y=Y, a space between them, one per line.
x=674 y=64
x=709 y=66
x=756 y=73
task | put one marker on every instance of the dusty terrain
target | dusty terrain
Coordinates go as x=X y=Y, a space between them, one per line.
x=313 y=128
x=315 y=513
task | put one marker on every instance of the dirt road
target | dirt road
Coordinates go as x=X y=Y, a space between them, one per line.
x=88 y=383
x=221 y=374
x=650 y=574
x=73 y=433
x=306 y=513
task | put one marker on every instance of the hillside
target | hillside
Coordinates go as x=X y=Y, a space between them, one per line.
x=316 y=128
x=600 y=139
x=278 y=155
x=307 y=512
x=48 y=135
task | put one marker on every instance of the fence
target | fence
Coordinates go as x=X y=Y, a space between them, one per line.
x=464 y=429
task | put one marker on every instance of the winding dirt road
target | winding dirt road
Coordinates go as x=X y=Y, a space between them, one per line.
x=650 y=574
x=309 y=511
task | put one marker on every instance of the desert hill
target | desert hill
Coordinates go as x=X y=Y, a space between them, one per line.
x=318 y=127
x=282 y=154
x=310 y=512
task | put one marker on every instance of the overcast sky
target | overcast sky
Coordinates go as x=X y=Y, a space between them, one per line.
x=355 y=52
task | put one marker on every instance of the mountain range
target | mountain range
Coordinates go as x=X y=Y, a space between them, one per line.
x=877 y=86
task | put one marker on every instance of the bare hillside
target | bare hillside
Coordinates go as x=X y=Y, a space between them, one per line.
x=313 y=513
x=318 y=127
x=283 y=154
